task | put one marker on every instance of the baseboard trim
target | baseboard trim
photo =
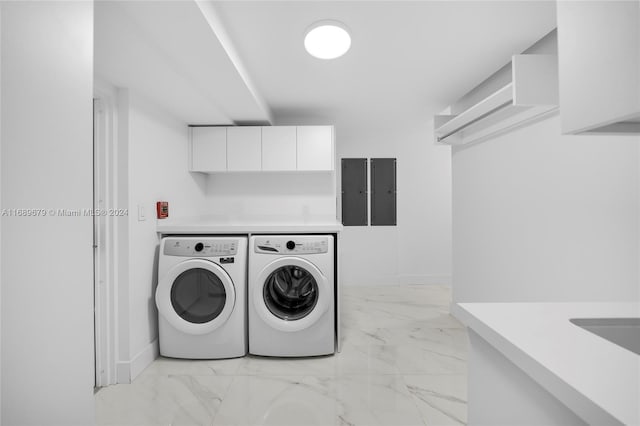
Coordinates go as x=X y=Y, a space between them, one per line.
x=123 y=372
x=424 y=279
x=126 y=371
x=144 y=358
x=402 y=280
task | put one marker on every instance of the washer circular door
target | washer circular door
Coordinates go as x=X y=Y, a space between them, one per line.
x=196 y=296
x=291 y=294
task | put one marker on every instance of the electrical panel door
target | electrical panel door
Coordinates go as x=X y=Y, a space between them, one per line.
x=383 y=192
x=354 y=192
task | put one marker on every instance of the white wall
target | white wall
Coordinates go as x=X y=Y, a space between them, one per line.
x=418 y=249
x=424 y=207
x=275 y=194
x=542 y=217
x=46 y=153
x=157 y=169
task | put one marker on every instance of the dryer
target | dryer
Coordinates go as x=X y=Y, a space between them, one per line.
x=201 y=297
x=291 y=295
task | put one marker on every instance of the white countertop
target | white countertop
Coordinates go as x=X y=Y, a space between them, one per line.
x=596 y=379
x=249 y=225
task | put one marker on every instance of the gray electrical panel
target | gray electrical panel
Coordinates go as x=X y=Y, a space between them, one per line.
x=354 y=192
x=383 y=192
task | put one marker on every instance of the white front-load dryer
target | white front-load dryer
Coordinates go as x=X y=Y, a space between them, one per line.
x=201 y=297
x=291 y=295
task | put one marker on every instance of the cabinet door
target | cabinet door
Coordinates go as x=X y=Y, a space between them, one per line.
x=208 y=149
x=279 y=148
x=243 y=149
x=315 y=147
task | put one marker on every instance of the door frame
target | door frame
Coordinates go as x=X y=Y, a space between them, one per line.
x=105 y=233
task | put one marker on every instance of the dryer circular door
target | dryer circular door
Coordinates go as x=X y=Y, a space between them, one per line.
x=291 y=294
x=196 y=296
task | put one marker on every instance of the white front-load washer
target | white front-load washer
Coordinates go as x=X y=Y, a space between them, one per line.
x=201 y=297
x=291 y=295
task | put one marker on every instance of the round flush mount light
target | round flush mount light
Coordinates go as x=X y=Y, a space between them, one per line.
x=327 y=40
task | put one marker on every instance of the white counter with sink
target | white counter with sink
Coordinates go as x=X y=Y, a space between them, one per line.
x=598 y=381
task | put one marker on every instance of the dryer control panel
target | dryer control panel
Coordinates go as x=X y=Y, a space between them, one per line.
x=200 y=247
x=292 y=244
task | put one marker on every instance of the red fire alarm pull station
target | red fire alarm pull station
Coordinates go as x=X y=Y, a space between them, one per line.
x=162 y=208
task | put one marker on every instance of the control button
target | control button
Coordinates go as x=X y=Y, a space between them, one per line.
x=199 y=247
x=291 y=245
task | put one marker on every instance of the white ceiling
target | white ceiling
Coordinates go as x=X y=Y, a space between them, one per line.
x=408 y=59
x=174 y=54
x=213 y=62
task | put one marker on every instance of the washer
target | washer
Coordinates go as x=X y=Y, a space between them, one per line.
x=201 y=297
x=291 y=295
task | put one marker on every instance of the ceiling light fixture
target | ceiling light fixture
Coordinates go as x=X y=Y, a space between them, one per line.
x=327 y=40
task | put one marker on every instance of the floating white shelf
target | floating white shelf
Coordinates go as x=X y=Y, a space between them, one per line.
x=531 y=95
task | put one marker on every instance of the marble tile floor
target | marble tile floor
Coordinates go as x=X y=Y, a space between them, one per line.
x=403 y=362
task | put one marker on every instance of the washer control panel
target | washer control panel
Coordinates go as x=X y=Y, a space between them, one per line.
x=292 y=244
x=205 y=247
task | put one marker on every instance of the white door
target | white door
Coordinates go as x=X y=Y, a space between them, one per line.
x=291 y=294
x=196 y=296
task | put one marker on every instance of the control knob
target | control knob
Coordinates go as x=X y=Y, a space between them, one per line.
x=199 y=247
x=291 y=245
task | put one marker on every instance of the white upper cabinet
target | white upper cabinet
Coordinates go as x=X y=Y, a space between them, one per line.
x=208 y=149
x=315 y=148
x=599 y=66
x=255 y=148
x=279 y=148
x=244 y=149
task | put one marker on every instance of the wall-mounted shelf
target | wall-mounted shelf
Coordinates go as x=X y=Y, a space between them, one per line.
x=531 y=94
